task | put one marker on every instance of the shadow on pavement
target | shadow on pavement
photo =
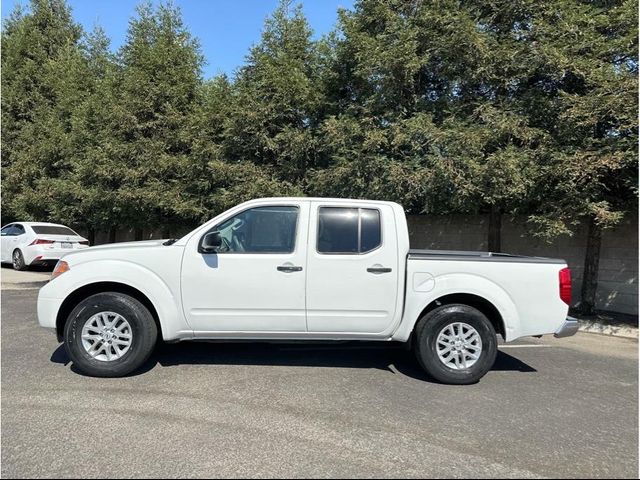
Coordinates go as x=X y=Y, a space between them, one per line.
x=389 y=358
x=33 y=268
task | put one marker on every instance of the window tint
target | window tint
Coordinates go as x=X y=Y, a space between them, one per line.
x=52 y=230
x=17 y=230
x=348 y=230
x=338 y=230
x=260 y=230
x=371 y=231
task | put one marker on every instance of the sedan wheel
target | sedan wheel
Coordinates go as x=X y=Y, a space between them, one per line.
x=18 y=261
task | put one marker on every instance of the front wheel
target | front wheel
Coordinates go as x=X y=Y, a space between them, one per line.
x=109 y=335
x=456 y=344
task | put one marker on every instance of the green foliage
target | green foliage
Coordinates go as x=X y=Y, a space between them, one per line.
x=39 y=62
x=276 y=97
x=510 y=106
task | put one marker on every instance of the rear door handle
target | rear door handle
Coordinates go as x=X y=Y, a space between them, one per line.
x=289 y=268
x=378 y=270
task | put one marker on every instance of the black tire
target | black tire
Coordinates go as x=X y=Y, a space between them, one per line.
x=430 y=326
x=144 y=334
x=17 y=260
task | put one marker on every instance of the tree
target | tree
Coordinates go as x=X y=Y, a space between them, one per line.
x=92 y=183
x=159 y=77
x=276 y=99
x=40 y=86
x=593 y=50
x=517 y=107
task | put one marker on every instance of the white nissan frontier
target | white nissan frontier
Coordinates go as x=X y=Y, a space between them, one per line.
x=292 y=269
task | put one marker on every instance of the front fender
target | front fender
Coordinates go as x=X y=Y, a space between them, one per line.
x=458 y=283
x=165 y=299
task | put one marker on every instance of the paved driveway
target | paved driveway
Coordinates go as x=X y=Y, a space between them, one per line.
x=553 y=408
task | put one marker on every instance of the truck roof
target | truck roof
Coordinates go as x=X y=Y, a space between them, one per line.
x=325 y=199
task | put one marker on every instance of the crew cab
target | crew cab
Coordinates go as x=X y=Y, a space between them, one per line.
x=283 y=269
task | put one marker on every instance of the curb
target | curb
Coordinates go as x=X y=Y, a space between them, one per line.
x=614 y=330
x=24 y=285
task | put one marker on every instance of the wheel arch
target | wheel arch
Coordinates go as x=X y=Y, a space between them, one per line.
x=472 y=300
x=86 y=291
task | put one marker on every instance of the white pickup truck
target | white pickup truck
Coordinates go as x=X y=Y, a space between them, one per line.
x=280 y=269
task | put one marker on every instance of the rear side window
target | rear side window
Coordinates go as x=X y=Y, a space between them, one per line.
x=348 y=230
x=52 y=230
x=17 y=230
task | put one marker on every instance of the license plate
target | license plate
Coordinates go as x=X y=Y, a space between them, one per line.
x=67 y=245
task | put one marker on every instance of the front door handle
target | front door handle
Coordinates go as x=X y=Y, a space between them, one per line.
x=289 y=268
x=378 y=270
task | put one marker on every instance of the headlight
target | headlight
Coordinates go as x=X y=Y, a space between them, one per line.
x=59 y=269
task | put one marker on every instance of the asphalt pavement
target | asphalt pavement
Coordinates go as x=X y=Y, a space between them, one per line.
x=549 y=408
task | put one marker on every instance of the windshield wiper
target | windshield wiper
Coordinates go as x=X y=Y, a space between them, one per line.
x=171 y=241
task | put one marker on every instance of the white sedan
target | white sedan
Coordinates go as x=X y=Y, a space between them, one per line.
x=31 y=243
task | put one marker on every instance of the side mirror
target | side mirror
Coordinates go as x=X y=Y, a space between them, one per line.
x=210 y=242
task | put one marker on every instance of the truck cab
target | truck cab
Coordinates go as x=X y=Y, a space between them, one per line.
x=324 y=268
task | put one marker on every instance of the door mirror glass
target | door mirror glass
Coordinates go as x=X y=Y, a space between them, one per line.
x=210 y=242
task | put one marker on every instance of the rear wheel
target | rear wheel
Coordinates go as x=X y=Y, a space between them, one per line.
x=109 y=335
x=456 y=344
x=17 y=260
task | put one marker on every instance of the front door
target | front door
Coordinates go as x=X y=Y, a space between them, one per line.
x=256 y=280
x=353 y=268
x=4 y=242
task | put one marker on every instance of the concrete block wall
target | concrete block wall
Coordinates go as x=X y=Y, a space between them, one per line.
x=618 y=273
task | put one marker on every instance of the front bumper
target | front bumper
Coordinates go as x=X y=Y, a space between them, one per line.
x=568 y=328
x=48 y=311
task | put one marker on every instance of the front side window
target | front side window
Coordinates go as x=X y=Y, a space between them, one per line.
x=348 y=230
x=260 y=230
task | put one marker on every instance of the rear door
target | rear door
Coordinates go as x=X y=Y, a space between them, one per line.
x=352 y=268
